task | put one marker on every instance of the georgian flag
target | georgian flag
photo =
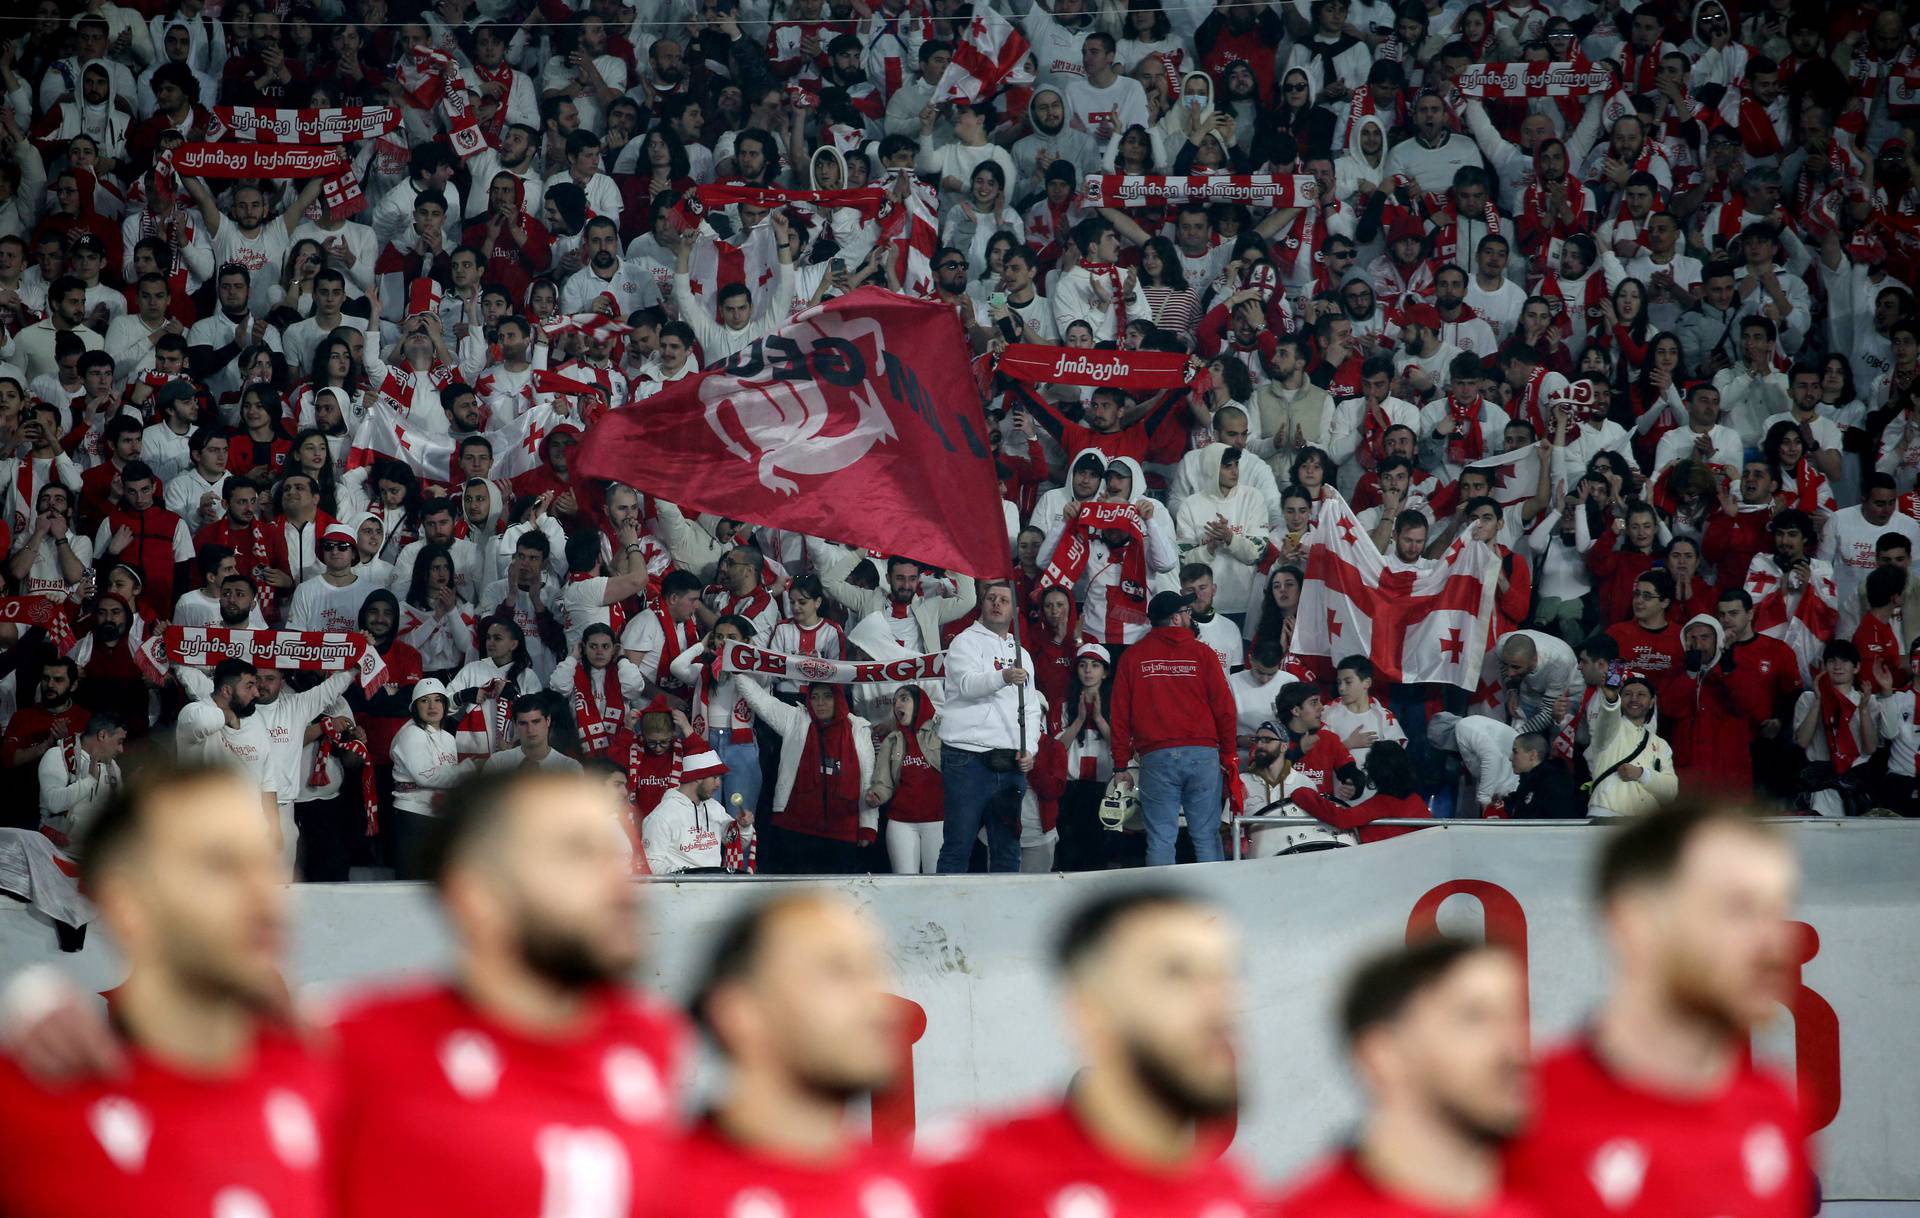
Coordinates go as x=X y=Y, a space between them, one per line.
x=989 y=54
x=1428 y=621
x=715 y=263
x=910 y=227
x=382 y=435
x=1515 y=474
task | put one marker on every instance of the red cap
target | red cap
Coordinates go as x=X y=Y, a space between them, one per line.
x=1421 y=315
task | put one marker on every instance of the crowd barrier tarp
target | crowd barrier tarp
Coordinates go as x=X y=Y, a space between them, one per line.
x=971 y=954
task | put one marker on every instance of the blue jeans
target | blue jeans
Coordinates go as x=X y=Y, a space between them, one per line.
x=975 y=795
x=743 y=773
x=1170 y=779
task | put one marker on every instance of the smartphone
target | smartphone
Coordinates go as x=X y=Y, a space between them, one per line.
x=997 y=301
x=837 y=266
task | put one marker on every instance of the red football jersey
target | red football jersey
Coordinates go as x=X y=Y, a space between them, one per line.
x=715 y=1177
x=1602 y=1147
x=1046 y=1166
x=1340 y=1189
x=161 y=1143
x=447 y=1112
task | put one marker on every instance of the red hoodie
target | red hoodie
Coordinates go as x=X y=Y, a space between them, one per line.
x=1170 y=693
x=1710 y=717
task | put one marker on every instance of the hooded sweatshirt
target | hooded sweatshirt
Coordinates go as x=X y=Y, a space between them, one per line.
x=1105 y=566
x=1235 y=563
x=1355 y=166
x=1060 y=142
x=1711 y=715
x=1170 y=693
x=843 y=224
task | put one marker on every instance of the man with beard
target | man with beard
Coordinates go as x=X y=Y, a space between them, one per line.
x=113 y=682
x=53 y=720
x=514 y=245
x=260 y=549
x=186 y=880
x=221 y=728
x=1437 y=1033
x=146 y=535
x=533 y=1047
x=796 y=996
x=1696 y=900
x=607 y=283
x=737 y=326
x=1152 y=992
x=914 y=620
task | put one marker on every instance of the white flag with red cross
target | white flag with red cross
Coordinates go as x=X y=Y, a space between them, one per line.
x=1429 y=621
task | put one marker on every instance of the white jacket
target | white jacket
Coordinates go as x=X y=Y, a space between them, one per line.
x=793 y=723
x=1245 y=513
x=981 y=711
x=1613 y=740
x=426 y=762
x=69 y=796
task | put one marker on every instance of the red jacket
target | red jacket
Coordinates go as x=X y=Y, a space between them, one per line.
x=1710 y=718
x=1170 y=694
x=1773 y=666
x=1359 y=818
x=1614 y=572
x=1732 y=541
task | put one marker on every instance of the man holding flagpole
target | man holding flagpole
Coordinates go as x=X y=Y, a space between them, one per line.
x=989 y=731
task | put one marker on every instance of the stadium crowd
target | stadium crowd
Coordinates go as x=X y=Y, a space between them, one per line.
x=1687 y=291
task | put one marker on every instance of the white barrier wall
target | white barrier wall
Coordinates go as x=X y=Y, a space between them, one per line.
x=972 y=953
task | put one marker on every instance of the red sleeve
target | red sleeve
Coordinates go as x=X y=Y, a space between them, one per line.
x=1720 y=538
x=1226 y=716
x=1211 y=331
x=1676 y=695
x=538 y=249
x=1518 y=597
x=1120 y=715
x=1340 y=817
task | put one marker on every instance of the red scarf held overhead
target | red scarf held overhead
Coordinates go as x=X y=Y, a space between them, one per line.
x=597 y=725
x=1127 y=600
x=829 y=751
x=1836 y=714
x=1037 y=364
x=865 y=200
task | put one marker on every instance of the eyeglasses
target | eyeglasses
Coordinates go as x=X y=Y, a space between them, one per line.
x=951 y=265
x=1642 y=595
x=1296 y=88
x=338 y=545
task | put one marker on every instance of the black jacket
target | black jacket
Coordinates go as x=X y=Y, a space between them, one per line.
x=1547 y=792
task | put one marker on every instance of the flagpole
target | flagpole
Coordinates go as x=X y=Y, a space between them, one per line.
x=1021 y=689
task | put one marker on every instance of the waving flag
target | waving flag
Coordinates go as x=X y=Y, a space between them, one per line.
x=910 y=227
x=986 y=56
x=1422 y=622
x=382 y=435
x=1515 y=475
x=857 y=421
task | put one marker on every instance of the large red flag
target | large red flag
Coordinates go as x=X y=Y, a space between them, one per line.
x=1427 y=621
x=857 y=421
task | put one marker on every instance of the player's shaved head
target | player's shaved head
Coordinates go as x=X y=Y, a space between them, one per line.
x=797 y=992
x=1153 y=992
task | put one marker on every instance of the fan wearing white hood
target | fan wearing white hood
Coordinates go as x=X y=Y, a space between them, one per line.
x=1224 y=525
x=828 y=171
x=1049 y=140
x=370 y=537
x=1359 y=164
x=92 y=113
x=1126 y=482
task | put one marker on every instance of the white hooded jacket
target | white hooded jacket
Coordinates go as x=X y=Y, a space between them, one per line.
x=1234 y=564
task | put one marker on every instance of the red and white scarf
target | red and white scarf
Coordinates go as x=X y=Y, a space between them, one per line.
x=52 y=616
x=1504 y=81
x=1836 y=716
x=598 y=723
x=1134 y=371
x=1467 y=442
x=332 y=740
x=1116 y=288
x=1253 y=189
x=1127 y=599
x=674 y=639
x=298 y=650
x=1585 y=303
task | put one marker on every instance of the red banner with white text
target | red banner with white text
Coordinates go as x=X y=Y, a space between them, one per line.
x=1131 y=370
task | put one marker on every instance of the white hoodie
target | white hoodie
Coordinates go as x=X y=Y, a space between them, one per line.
x=1246 y=515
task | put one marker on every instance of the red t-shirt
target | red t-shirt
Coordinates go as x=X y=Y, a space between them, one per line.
x=1340 y=1189
x=1046 y=1166
x=1603 y=1147
x=714 y=1176
x=165 y=1144
x=1320 y=763
x=1654 y=652
x=448 y=1114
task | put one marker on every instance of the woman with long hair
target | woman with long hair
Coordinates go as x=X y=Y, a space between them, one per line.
x=1802 y=484
x=432 y=618
x=1535 y=329
x=602 y=685
x=1279 y=607
x=333 y=366
x=312 y=455
x=1176 y=306
x=1626 y=317
x=260 y=449
x=974 y=219
x=489 y=685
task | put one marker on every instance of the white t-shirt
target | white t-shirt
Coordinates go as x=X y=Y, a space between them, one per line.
x=264 y=255
x=319 y=605
x=1101 y=111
